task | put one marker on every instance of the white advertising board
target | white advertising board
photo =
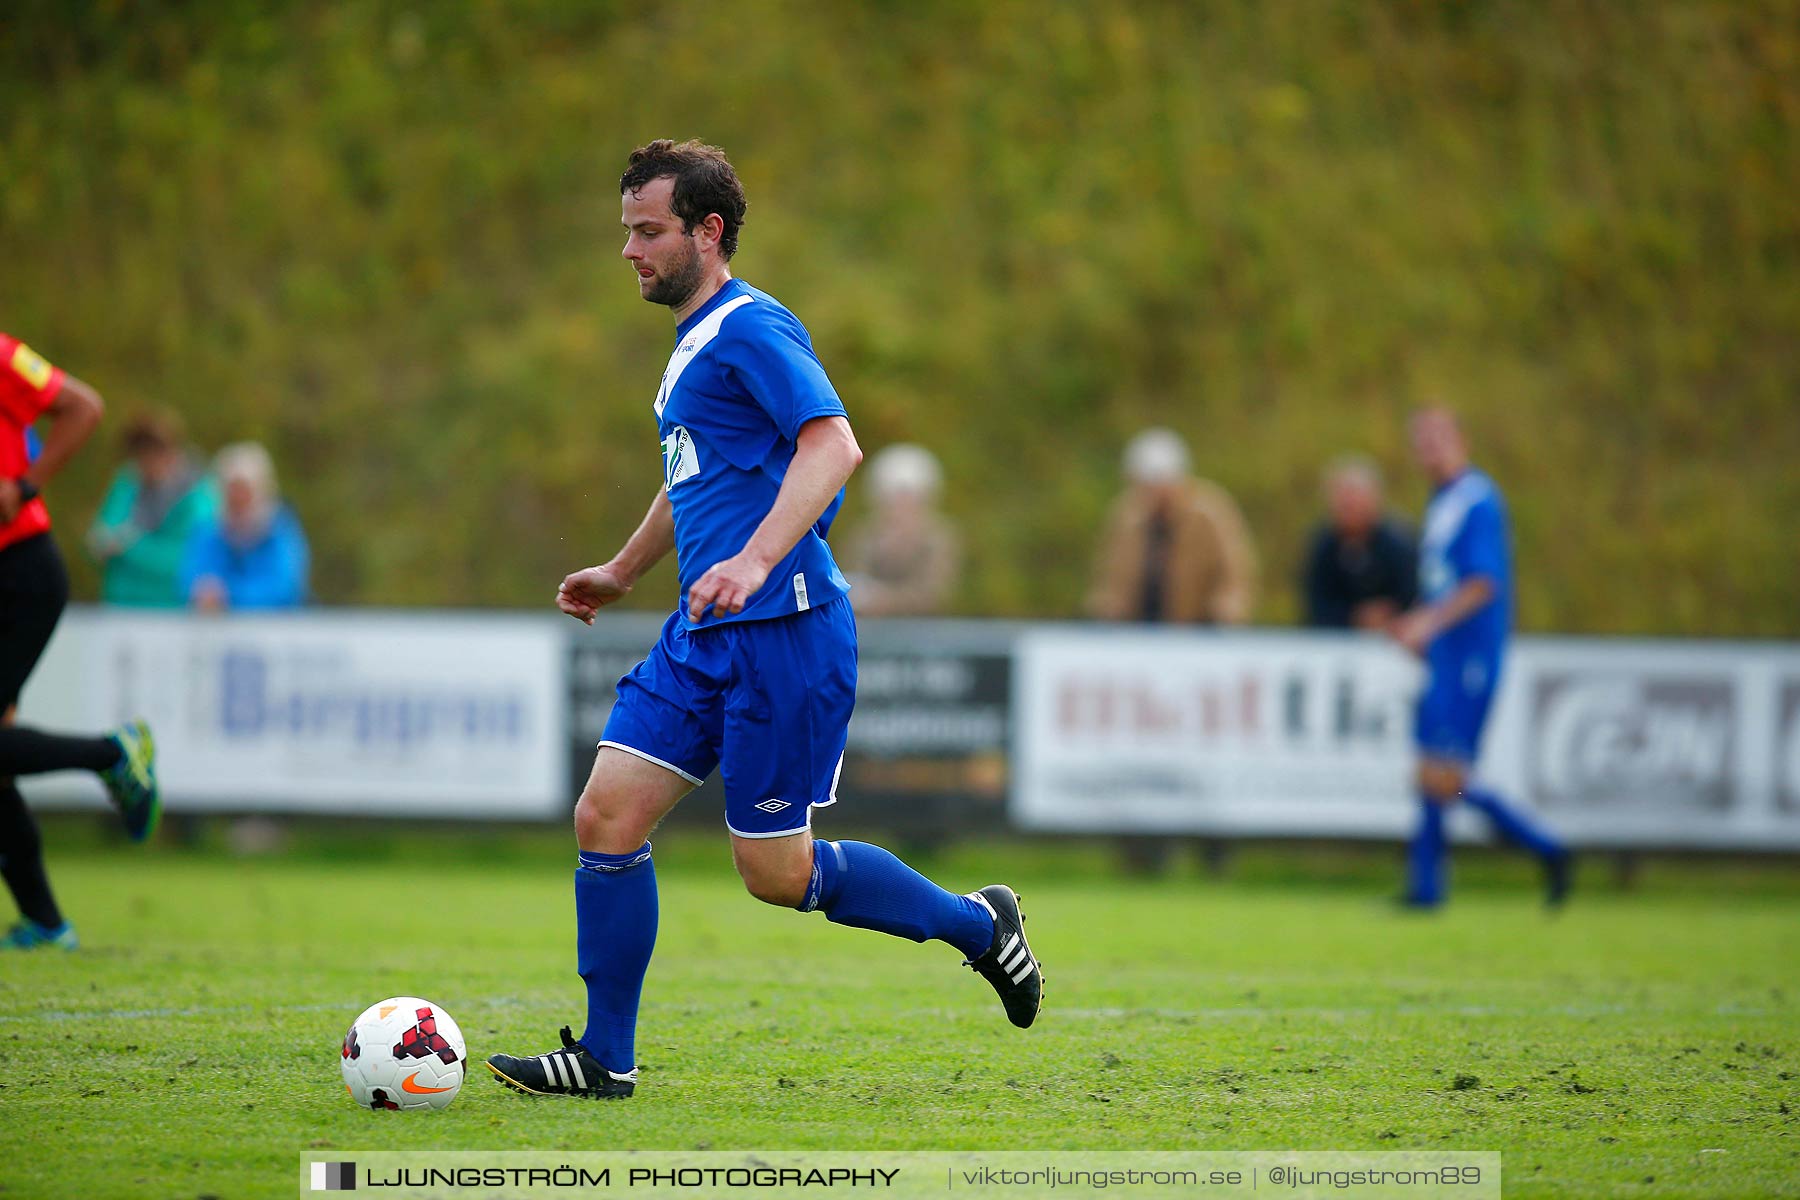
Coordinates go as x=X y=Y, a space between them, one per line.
x=1655 y=743
x=402 y=714
x=1244 y=733
x=1172 y=731
x=1113 y=729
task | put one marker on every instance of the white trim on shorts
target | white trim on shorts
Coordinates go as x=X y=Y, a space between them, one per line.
x=651 y=758
x=781 y=833
x=787 y=833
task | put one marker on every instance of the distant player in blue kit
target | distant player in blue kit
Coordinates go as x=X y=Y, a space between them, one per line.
x=755 y=673
x=1461 y=627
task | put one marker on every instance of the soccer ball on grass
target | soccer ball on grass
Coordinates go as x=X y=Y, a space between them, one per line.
x=403 y=1053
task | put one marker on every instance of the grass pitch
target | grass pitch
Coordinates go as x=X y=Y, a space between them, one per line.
x=1642 y=1043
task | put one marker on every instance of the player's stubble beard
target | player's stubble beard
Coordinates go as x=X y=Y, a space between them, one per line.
x=674 y=288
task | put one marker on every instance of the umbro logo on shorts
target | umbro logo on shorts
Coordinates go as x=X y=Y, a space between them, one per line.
x=773 y=805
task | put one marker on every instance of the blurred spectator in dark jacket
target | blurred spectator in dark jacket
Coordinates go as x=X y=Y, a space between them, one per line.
x=156 y=501
x=254 y=554
x=904 y=559
x=1176 y=547
x=1363 y=568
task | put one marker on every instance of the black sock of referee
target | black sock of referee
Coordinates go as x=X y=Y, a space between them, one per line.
x=32 y=752
x=22 y=860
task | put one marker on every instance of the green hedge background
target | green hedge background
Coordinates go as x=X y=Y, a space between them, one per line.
x=382 y=237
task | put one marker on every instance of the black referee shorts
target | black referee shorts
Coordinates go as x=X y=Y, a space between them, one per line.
x=34 y=587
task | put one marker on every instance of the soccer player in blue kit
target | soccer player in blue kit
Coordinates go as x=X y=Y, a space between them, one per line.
x=1461 y=627
x=755 y=672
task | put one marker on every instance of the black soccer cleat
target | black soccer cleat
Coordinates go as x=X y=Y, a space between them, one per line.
x=571 y=1071
x=1559 y=877
x=1008 y=963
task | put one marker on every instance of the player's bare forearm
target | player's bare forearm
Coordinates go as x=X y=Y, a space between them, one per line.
x=1471 y=597
x=825 y=456
x=1417 y=629
x=649 y=543
x=74 y=414
x=585 y=592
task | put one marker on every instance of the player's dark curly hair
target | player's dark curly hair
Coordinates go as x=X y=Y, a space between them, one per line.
x=704 y=184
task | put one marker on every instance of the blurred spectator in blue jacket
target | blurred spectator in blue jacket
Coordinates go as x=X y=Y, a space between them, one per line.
x=1363 y=568
x=156 y=501
x=254 y=555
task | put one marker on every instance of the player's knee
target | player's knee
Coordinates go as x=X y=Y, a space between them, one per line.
x=1441 y=782
x=607 y=828
x=780 y=880
x=782 y=893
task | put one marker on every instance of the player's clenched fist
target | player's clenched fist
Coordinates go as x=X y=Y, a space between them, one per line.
x=589 y=590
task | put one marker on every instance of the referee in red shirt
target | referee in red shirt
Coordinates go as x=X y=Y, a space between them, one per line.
x=33 y=590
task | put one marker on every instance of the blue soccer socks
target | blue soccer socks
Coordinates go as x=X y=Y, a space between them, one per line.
x=855 y=883
x=615 y=932
x=1514 y=825
x=1425 y=865
x=827 y=873
x=1426 y=854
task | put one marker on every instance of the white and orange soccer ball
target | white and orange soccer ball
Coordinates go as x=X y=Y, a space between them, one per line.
x=403 y=1053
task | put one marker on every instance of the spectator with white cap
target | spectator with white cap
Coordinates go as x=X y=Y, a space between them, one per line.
x=254 y=555
x=1176 y=548
x=904 y=561
x=1176 y=551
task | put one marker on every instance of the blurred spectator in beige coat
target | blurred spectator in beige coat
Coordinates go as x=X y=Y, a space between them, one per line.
x=1175 y=548
x=904 y=558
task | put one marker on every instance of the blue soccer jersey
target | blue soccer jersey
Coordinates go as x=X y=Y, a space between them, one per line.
x=1465 y=536
x=741 y=383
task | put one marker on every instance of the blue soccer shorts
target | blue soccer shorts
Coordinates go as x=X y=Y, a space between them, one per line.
x=766 y=701
x=1453 y=710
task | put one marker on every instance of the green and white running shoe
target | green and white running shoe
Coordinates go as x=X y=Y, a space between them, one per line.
x=29 y=935
x=132 y=780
